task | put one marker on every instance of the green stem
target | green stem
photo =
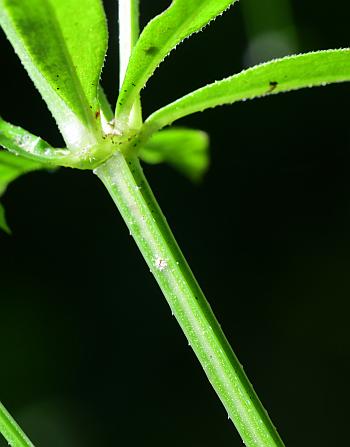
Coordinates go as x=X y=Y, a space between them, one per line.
x=11 y=430
x=128 y=11
x=124 y=179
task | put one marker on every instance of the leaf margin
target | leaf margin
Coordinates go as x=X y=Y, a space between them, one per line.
x=186 y=105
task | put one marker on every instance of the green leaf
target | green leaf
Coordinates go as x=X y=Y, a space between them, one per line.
x=21 y=142
x=3 y=223
x=184 y=149
x=62 y=45
x=160 y=36
x=280 y=75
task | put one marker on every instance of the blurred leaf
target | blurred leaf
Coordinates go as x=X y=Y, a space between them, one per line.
x=12 y=167
x=62 y=45
x=160 y=36
x=3 y=224
x=270 y=29
x=184 y=149
x=280 y=75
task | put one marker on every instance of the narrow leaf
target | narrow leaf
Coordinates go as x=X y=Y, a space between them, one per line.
x=62 y=44
x=184 y=149
x=280 y=75
x=160 y=36
x=21 y=142
x=3 y=223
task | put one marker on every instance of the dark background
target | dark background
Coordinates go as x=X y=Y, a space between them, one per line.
x=90 y=354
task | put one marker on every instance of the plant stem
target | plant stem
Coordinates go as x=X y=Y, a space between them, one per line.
x=124 y=179
x=128 y=11
x=11 y=430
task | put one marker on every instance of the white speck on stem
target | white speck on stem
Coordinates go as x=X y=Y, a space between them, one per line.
x=160 y=263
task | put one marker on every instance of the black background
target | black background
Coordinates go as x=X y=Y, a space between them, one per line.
x=89 y=352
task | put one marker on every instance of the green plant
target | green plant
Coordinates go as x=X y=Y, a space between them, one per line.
x=68 y=78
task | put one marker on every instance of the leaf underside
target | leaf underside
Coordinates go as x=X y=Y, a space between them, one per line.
x=62 y=45
x=280 y=75
x=187 y=150
x=160 y=36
